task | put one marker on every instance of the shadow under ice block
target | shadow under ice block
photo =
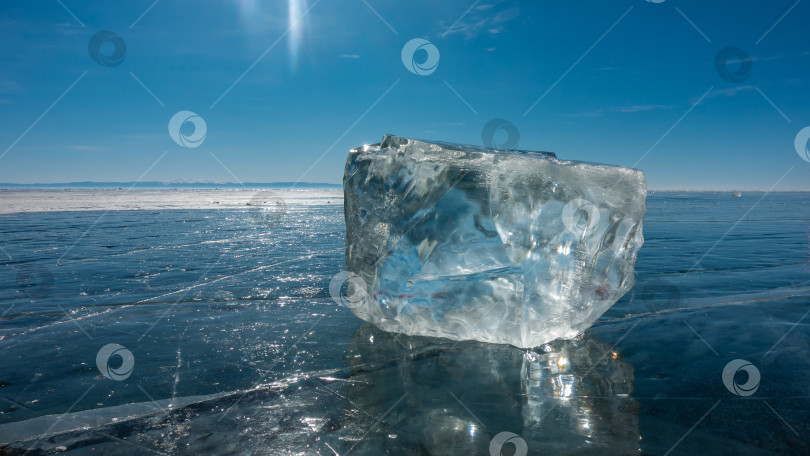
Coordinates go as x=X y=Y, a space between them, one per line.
x=501 y=246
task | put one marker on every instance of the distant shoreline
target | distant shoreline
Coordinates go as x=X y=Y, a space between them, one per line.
x=167 y=198
x=89 y=185
x=254 y=200
x=276 y=186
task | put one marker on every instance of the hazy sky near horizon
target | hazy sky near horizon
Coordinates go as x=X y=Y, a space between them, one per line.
x=283 y=89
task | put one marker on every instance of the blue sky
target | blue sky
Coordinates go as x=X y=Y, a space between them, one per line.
x=288 y=84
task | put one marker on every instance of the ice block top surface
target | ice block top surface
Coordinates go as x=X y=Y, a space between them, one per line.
x=392 y=143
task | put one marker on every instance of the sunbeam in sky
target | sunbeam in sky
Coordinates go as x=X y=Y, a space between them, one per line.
x=296 y=23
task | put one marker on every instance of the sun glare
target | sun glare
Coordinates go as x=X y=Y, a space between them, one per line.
x=259 y=19
x=295 y=22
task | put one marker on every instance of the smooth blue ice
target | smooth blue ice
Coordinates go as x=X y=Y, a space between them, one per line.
x=276 y=366
x=498 y=246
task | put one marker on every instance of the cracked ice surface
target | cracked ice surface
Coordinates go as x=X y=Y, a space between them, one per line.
x=499 y=246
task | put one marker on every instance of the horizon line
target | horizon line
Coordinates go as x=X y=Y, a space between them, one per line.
x=246 y=185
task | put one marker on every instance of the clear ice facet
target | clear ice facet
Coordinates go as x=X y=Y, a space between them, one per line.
x=500 y=246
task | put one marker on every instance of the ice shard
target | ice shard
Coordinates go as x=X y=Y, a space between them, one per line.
x=501 y=246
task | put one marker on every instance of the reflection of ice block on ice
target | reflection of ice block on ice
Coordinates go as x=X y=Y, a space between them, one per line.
x=567 y=397
x=499 y=246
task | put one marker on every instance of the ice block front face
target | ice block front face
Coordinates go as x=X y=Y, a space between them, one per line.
x=499 y=246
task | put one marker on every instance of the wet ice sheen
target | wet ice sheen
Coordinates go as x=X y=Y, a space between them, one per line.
x=500 y=246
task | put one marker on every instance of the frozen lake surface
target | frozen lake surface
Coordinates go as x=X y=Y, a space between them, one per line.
x=227 y=340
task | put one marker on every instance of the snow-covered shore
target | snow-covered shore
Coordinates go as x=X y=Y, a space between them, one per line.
x=47 y=200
